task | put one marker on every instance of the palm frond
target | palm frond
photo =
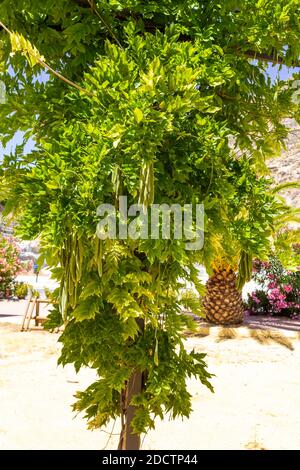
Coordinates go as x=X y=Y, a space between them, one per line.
x=284 y=186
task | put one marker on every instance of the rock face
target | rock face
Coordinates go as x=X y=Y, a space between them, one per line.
x=287 y=167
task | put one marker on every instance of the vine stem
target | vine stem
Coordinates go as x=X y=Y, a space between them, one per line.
x=109 y=29
x=52 y=71
x=64 y=79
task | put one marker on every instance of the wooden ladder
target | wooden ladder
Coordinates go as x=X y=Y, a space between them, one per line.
x=33 y=303
x=28 y=312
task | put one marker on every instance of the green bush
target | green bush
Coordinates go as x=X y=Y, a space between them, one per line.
x=21 y=290
x=9 y=265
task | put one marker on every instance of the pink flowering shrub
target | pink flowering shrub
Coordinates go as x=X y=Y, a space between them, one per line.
x=279 y=290
x=9 y=265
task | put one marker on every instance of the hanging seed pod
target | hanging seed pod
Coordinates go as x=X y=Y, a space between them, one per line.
x=142 y=184
x=97 y=245
x=63 y=301
x=70 y=283
x=151 y=184
x=100 y=255
x=63 y=257
x=71 y=299
x=73 y=265
x=156 y=352
x=146 y=190
x=79 y=259
x=250 y=265
x=117 y=183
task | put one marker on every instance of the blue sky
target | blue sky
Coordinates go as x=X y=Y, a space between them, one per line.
x=274 y=71
x=17 y=140
x=281 y=72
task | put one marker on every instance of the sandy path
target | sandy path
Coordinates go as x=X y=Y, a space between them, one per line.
x=256 y=402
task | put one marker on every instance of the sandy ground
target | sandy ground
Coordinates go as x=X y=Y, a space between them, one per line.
x=256 y=403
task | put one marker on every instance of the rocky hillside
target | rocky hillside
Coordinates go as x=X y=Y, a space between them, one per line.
x=287 y=167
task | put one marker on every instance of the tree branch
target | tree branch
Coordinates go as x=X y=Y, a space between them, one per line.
x=272 y=58
x=51 y=70
x=107 y=26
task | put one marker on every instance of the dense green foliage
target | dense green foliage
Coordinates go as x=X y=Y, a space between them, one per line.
x=71 y=35
x=287 y=247
x=173 y=112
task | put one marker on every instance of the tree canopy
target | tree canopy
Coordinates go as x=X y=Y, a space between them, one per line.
x=71 y=35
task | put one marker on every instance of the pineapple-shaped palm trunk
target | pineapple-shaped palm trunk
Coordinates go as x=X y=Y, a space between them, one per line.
x=223 y=303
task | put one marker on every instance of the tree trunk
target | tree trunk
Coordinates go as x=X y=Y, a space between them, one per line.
x=128 y=439
x=223 y=303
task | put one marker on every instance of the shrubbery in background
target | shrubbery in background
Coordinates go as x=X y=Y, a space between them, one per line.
x=279 y=292
x=27 y=266
x=20 y=290
x=9 y=265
